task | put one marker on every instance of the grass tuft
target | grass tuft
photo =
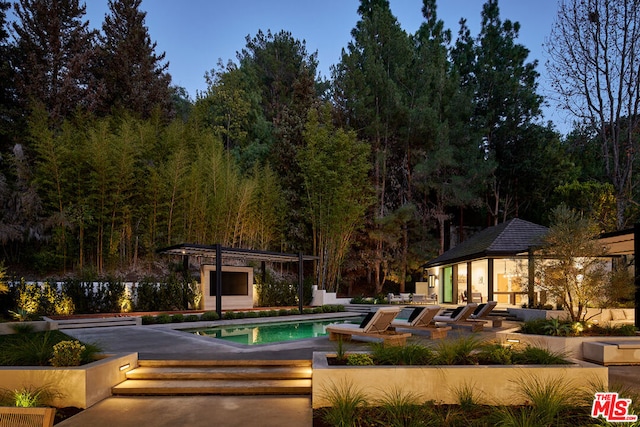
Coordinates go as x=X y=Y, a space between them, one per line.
x=345 y=400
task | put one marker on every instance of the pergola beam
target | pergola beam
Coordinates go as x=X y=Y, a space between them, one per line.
x=217 y=253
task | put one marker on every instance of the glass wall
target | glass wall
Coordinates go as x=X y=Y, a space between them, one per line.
x=479 y=278
x=447 y=284
x=510 y=278
x=462 y=282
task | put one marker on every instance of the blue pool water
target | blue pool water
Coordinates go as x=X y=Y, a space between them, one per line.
x=269 y=333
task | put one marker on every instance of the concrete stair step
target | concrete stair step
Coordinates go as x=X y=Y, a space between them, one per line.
x=223 y=363
x=239 y=377
x=185 y=387
x=219 y=372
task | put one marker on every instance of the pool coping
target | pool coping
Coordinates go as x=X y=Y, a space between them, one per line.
x=274 y=321
x=180 y=327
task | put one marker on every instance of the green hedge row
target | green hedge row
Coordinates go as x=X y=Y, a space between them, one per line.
x=228 y=315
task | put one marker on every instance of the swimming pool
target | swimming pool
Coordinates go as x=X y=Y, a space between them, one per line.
x=269 y=333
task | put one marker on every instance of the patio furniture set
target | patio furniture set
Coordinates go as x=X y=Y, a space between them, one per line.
x=433 y=320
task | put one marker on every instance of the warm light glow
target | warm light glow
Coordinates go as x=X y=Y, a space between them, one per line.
x=513 y=340
x=125 y=366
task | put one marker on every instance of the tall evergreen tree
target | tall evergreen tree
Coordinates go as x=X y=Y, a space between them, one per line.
x=452 y=167
x=54 y=55
x=368 y=85
x=134 y=76
x=8 y=99
x=505 y=100
x=284 y=73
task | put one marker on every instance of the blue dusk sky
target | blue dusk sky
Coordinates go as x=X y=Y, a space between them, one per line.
x=196 y=33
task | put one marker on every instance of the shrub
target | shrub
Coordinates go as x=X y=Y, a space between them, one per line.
x=277 y=290
x=495 y=354
x=294 y=311
x=308 y=311
x=283 y=312
x=359 y=359
x=191 y=318
x=228 y=315
x=317 y=310
x=67 y=353
x=459 y=351
x=251 y=314
x=412 y=354
x=530 y=355
x=30 y=397
x=263 y=313
x=36 y=349
x=148 y=320
x=29 y=349
x=209 y=316
x=163 y=318
x=177 y=318
x=19 y=328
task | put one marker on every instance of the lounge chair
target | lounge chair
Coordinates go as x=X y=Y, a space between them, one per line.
x=460 y=317
x=421 y=318
x=18 y=416
x=374 y=325
x=482 y=312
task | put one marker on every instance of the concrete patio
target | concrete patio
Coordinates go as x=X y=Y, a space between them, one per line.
x=165 y=342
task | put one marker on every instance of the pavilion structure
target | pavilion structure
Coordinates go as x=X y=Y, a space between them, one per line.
x=212 y=270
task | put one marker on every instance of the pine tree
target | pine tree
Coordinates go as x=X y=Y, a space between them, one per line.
x=134 y=76
x=494 y=68
x=54 y=56
x=8 y=99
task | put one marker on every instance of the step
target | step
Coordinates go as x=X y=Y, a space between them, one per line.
x=234 y=387
x=234 y=362
x=237 y=377
x=219 y=372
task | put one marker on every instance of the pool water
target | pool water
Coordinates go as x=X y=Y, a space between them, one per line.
x=269 y=333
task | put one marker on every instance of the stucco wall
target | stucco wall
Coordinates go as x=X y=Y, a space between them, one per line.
x=229 y=302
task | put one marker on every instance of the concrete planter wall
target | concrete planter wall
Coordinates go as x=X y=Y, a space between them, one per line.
x=526 y=314
x=570 y=346
x=78 y=386
x=6 y=328
x=491 y=384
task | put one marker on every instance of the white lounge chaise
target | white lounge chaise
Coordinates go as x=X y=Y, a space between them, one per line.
x=375 y=325
x=460 y=317
x=421 y=318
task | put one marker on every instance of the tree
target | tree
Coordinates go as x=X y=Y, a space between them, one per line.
x=594 y=51
x=574 y=274
x=283 y=74
x=369 y=84
x=134 y=76
x=334 y=166
x=9 y=113
x=54 y=57
x=505 y=101
x=451 y=169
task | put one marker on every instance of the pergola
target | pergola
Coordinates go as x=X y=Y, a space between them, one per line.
x=216 y=253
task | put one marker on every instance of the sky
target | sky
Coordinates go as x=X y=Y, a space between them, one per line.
x=194 y=34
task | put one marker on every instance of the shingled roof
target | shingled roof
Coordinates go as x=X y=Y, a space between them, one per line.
x=509 y=238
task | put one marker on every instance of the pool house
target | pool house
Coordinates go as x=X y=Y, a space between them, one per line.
x=496 y=264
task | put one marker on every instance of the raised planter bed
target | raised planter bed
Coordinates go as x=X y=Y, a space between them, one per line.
x=6 y=328
x=526 y=314
x=569 y=346
x=494 y=384
x=77 y=386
